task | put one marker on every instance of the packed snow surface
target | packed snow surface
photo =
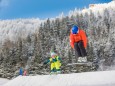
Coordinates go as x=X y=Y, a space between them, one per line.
x=3 y=81
x=102 y=78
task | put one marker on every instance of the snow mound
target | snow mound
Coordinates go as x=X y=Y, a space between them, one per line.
x=3 y=81
x=102 y=78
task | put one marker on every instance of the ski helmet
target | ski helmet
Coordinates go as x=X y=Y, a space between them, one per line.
x=53 y=54
x=75 y=29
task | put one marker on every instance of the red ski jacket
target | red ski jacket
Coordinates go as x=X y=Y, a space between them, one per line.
x=78 y=37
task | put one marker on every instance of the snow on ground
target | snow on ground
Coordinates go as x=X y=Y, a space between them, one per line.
x=102 y=78
x=3 y=81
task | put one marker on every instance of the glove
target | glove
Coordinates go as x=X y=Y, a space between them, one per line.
x=45 y=63
x=60 y=59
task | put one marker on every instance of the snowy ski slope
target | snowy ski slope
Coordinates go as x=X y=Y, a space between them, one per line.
x=3 y=81
x=102 y=78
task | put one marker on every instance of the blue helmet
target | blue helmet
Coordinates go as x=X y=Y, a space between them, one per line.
x=75 y=29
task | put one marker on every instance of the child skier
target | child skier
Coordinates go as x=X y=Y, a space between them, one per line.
x=78 y=41
x=25 y=73
x=21 y=71
x=55 y=63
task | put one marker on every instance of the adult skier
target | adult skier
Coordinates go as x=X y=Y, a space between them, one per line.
x=55 y=61
x=78 y=42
